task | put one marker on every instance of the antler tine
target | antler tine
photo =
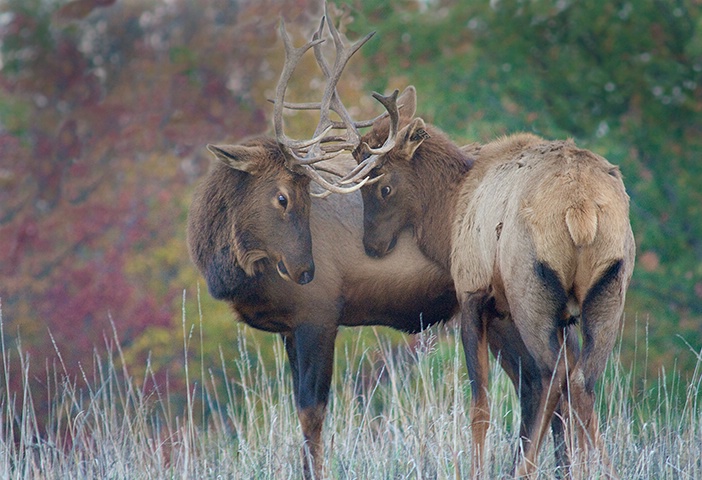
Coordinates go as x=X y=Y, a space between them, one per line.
x=292 y=58
x=364 y=168
x=336 y=125
x=322 y=182
x=330 y=99
x=302 y=154
x=321 y=153
x=390 y=104
x=358 y=186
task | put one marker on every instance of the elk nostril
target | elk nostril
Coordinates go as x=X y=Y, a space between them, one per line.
x=282 y=269
x=306 y=277
x=393 y=242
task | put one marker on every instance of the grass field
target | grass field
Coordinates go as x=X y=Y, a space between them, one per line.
x=396 y=412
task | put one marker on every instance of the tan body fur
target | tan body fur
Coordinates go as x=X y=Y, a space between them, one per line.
x=523 y=189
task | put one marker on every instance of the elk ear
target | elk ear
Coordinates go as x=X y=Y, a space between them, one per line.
x=407 y=101
x=411 y=137
x=239 y=157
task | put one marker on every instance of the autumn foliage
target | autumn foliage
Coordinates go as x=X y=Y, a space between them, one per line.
x=105 y=108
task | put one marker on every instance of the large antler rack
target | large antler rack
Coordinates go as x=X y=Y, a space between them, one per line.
x=304 y=155
x=373 y=156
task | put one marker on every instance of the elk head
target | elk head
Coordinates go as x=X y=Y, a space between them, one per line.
x=386 y=154
x=271 y=178
x=273 y=210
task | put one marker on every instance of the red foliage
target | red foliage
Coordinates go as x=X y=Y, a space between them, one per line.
x=104 y=113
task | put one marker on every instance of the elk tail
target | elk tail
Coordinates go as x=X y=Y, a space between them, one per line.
x=581 y=220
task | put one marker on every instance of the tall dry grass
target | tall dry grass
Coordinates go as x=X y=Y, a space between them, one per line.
x=395 y=412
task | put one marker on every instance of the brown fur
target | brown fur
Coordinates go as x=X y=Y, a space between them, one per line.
x=248 y=180
x=404 y=290
x=533 y=232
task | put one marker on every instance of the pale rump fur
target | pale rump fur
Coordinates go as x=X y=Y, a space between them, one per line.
x=551 y=195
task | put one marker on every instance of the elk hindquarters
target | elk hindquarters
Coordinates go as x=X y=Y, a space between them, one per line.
x=555 y=293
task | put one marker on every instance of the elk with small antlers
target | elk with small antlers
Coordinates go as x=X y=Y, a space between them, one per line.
x=537 y=238
x=253 y=232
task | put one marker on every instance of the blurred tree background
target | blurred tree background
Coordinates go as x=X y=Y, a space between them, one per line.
x=623 y=78
x=105 y=108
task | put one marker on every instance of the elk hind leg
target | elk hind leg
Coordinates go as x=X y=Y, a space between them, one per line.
x=601 y=321
x=538 y=307
x=562 y=418
x=506 y=345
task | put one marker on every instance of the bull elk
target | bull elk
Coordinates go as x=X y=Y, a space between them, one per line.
x=537 y=239
x=260 y=240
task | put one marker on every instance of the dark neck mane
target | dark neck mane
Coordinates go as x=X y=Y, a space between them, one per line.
x=440 y=168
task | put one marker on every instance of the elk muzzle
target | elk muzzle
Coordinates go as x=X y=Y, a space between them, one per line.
x=378 y=247
x=302 y=275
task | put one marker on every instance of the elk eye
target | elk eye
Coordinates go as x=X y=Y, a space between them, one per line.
x=282 y=200
x=385 y=191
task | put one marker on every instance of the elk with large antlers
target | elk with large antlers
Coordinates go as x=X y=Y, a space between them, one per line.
x=537 y=238
x=252 y=228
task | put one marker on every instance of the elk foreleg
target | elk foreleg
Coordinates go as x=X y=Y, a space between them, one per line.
x=475 y=349
x=310 y=350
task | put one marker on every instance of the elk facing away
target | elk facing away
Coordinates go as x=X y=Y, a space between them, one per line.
x=253 y=231
x=537 y=238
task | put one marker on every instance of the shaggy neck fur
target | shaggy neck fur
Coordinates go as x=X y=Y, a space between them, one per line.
x=440 y=168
